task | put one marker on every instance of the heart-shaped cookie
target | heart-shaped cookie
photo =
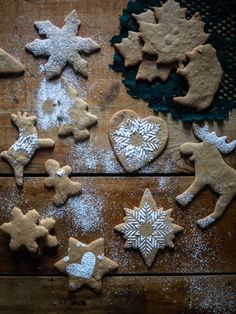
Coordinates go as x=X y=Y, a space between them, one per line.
x=137 y=141
x=85 y=269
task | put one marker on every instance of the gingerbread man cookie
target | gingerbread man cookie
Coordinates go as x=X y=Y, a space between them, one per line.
x=60 y=181
x=148 y=228
x=211 y=170
x=86 y=264
x=24 y=230
x=21 y=152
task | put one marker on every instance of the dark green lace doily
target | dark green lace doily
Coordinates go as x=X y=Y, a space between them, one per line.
x=220 y=19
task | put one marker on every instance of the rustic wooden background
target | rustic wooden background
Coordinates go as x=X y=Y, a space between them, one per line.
x=198 y=276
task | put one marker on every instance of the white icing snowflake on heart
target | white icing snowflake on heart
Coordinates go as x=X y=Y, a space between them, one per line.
x=137 y=138
x=148 y=228
x=62 y=45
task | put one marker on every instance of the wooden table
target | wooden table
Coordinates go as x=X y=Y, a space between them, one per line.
x=198 y=276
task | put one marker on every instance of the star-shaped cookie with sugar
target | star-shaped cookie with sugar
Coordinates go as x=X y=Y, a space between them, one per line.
x=148 y=228
x=24 y=230
x=63 y=46
x=85 y=264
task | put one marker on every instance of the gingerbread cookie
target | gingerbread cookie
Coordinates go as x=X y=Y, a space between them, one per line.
x=21 y=152
x=203 y=73
x=148 y=228
x=79 y=120
x=211 y=170
x=62 y=46
x=85 y=264
x=137 y=141
x=24 y=230
x=60 y=181
x=9 y=65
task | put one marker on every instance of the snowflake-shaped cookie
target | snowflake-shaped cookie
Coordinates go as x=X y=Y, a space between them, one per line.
x=148 y=228
x=62 y=46
x=137 y=141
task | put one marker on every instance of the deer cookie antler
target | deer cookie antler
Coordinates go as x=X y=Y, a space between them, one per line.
x=211 y=137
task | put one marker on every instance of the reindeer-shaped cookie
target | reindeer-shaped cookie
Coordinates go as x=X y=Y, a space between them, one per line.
x=21 y=152
x=210 y=169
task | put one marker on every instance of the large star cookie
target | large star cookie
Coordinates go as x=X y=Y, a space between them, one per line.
x=148 y=228
x=24 y=230
x=137 y=141
x=60 y=181
x=85 y=264
x=62 y=46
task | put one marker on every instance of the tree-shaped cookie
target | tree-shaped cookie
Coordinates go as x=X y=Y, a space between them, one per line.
x=86 y=264
x=21 y=152
x=148 y=228
x=60 y=181
x=79 y=120
x=203 y=73
x=9 y=65
x=62 y=46
x=24 y=230
x=211 y=170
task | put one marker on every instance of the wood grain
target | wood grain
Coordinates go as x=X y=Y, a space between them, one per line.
x=130 y=294
x=100 y=207
x=103 y=90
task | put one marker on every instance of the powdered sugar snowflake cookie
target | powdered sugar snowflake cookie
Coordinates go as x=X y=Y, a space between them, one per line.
x=21 y=152
x=211 y=170
x=24 y=230
x=148 y=228
x=86 y=264
x=9 y=65
x=60 y=181
x=62 y=46
x=137 y=141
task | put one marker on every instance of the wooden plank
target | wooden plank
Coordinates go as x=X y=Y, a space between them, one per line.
x=130 y=294
x=100 y=208
x=103 y=89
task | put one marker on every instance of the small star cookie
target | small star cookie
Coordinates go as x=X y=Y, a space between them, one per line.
x=60 y=181
x=24 y=230
x=62 y=46
x=85 y=264
x=148 y=228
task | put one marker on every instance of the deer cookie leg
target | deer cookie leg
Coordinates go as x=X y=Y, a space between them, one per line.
x=19 y=174
x=186 y=197
x=220 y=207
x=46 y=142
x=81 y=135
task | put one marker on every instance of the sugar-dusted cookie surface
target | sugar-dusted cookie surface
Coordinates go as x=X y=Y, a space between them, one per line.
x=85 y=264
x=148 y=228
x=21 y=152
x=204 y=74
x=137 y=141
x=60 y=181
x=211 y=170
x=79 y=120
x=62 y=46
x=24 y=230
x=9 y=65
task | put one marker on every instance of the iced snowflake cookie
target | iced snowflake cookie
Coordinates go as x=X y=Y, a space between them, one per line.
x=79 y=120
x=85 y=264
x=137 y=141
x=148 y=228
x=24 y=230
x=62 y=46
x=60 y=181
x=211 y=170
x=9 y=65
x=21 y=152
x=203 y=73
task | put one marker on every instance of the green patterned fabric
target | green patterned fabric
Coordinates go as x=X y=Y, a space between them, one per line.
x=220 y=19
